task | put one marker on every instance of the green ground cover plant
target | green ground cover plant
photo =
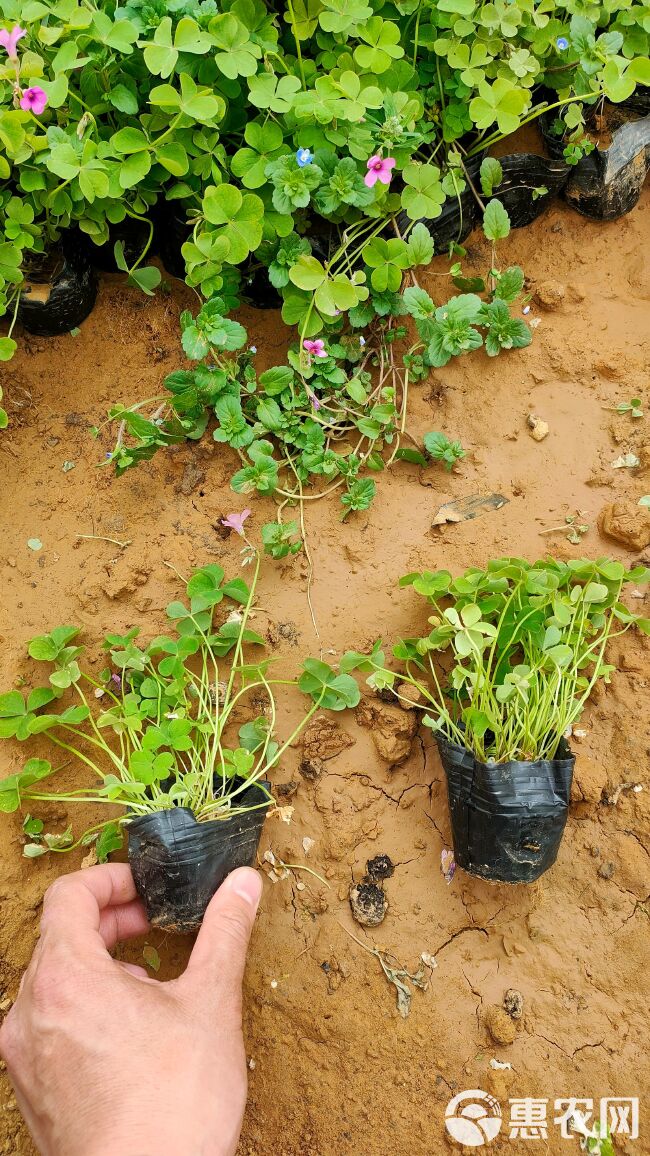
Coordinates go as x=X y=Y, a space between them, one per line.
x=156 y=728
x=513 y=653
x=263 y=125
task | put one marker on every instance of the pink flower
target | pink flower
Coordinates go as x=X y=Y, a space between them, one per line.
x=315 y=348
x=33 y=100
x=9 y=40
x=379 y=169
x=314 y=400
x=236 y=521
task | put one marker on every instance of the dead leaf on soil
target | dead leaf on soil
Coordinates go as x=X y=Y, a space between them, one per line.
x=466 y=509
x=397 y=975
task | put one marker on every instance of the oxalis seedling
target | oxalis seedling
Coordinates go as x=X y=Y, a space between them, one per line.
x=525 y=646
x=337 y=411
x=156 y=729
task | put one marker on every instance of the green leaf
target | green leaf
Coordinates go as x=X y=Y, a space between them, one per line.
x=308 y=273
x=151 y=957
x=110 y=839
x=510 y=284
x=7 y=349
x=420 y=245
x=423 y=195
x=326 y=688
x=204 y=587
x=491 y=175
x=123 y=99
x=496 y=222
x=418 y=303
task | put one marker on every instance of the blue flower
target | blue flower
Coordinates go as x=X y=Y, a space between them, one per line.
x=304 y=157
x=561 y=43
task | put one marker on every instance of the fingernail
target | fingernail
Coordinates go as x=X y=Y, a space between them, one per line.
x=246 y=883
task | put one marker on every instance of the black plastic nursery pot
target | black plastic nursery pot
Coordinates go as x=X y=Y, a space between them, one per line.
x=256 y=289
x=607 y=183
x=459 y=216
x=60 y=290
x=134 y=235
x=523 y=175
x=507 y=819
x=178 y=864
x=172 y=230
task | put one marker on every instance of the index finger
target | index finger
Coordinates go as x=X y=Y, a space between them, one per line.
x=97 y=904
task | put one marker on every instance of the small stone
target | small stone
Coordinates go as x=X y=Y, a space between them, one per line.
x=381 y=867
x=550 y=295
x=368 y=903
x=513 y=1003
x=499 y=1024
x=627 y=523
x=606 y=871
x=537 y=426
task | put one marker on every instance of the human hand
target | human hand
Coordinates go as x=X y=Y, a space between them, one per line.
x=105 y=1060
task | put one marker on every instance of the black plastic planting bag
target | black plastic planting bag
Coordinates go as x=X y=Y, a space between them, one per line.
x=607 y=183
x=133 y=233
x=459 y=214
x=178 y=864
x=507 y=819
x=172 y=231
x=58 y=300
x=523 y=175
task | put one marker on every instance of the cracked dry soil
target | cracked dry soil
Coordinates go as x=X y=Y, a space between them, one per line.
x=336 y=1068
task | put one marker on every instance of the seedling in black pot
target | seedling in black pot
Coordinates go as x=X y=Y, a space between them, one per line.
x=525 y=647
x=155 y=733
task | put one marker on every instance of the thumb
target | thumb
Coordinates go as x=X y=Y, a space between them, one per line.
x=219 y=955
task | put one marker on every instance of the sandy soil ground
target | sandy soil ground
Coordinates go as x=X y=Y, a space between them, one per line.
x=334 y=1068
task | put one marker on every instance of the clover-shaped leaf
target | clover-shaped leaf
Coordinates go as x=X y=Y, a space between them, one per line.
x=238 y=218
x=330 y=690
x=423 y=195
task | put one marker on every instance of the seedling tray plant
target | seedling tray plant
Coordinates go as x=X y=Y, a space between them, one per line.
x=522 y=645
x=265 y=123
x=157 y=733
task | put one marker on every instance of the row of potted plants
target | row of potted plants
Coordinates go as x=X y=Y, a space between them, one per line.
x=293 y=137
x=181 y=731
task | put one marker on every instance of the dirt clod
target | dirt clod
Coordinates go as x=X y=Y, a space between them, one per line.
x=286 y=790
x=627 y=523
x=311 y=769
x=513 y=1003
x=324 y=739
x=392 y=729
x=381 y=867
x=550 y=295
x=368 y=903
x=500 y=1025
x=409 y=696
x=606 y=871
